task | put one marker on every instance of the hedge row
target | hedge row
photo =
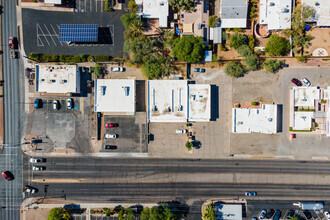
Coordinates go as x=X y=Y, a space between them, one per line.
x=68 y=58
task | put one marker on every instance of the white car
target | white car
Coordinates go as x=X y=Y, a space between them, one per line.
x=38 y=168
x=56 y=105
x=30 y=189
x=111 y=136
x=327 y=214
x=117 y=69
x=250 y=193
x=181 y=131
x=69 y=103
x=262 y=214
x=37 y=160
x=306 y=81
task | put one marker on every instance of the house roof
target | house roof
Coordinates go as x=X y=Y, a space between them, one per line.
x=322 y=11
x=276 y=14
x=234 y=13
x=155 y=9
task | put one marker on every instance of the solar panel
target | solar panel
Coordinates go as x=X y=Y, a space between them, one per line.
x=78 y=32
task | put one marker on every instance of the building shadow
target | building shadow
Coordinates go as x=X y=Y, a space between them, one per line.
x=214 y=102
x=105 y=36
x=140 y=95
x=279 y=118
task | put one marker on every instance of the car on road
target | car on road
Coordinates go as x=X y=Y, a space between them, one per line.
x=327 y=214
x=307 y=214
x=277 y=215
x=250 y=193
x=69 y=103
x=290 y=214
x=270 y=214
x=180 y=131
x=56 y=105
x=8 y=175
x=111 y=136
x=262 y=214
x=201 y=70
x=13 y=54
x=30 y=189
x=111 y=125
x=117 y=69
x=12 y=42
x=296 y=81
x=254 y=218
x=37 y=103
x=306 y=81
x=38 y=168
x=110 y=147
x=37 y=160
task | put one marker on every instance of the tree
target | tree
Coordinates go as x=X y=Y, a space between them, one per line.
x=213 y=21
x=133 y=7
x=135 y=29
x=251 y=42
x=58 y=214
x=209 y=213
x=234 y=69
x=127 y=19
x=237 y=40
x=184 y=5
x=125 y=214
x=272 y=65
x=244 y=50
x=277 y=46
x=145 y=214
x=188 y=48
x=251 y=62
x=189 y=145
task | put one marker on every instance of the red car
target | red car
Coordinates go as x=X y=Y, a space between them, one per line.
x=12 y=42
x=8 y=175
x=296 y=81
x=111 y=125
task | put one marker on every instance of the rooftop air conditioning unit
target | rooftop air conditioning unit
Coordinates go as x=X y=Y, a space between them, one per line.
x=49 y=80
x=271 y=4
x=284 y=10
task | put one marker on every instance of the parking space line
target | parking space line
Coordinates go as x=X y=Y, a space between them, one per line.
x=85 y=6
x=96 y=5
x=102 y=6
x=90 y=5
x=43 y=34
x=56 y=34
x=51 y=36
x=38 y=38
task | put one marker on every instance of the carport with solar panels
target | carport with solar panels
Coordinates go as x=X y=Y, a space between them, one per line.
x=78 y=33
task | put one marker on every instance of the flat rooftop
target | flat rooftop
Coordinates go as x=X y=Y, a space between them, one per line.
x=57 y=78
x=234 y=13
x=155 y=9
x=229 y=211
x=322 y=11
x=199 y=102
x=302 y=120
x=276 y=14
x=259 y=120
x=115 y=96
x=304 y=96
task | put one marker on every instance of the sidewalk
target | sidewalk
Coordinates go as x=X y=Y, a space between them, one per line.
x=1 y=90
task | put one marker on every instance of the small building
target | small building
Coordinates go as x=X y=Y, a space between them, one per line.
x=227 y=211
x=154 y=9
x=262 y=119
x=216 y=35
x=275 y=14
x=115 y=96
x=55 y=2
x=234 y=13
x=322 y=12
x=63 y=79
x=176 y=101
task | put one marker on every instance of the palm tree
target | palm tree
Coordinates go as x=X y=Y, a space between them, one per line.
x=135 y=29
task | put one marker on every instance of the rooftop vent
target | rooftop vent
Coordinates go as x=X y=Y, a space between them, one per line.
x=271 y=4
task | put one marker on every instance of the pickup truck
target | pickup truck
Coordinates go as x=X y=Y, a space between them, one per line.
x=12 y=42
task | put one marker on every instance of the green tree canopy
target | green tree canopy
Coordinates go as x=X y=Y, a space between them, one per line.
x=234 y=69
x=125 y=214
x=251 y=62
x=277 y=46
x=272 y=65
x=237 y=40
x=133 y=7
x=161 y=212
x=213 y=21
x=209 y=213
x=58 y=214
x=184 y=5
x=188 y=49
x=244 y=50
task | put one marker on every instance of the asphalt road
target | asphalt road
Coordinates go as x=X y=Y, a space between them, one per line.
x=11 y=157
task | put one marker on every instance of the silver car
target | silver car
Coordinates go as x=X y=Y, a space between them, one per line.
x=69 y=103
x=111 y=136
x=262 y=214
x=306 y=81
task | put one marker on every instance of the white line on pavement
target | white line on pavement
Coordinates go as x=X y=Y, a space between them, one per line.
x=51 y=36
x=43 y=34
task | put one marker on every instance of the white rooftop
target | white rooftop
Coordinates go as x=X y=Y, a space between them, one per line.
x=158 y=9
x=305 y=96
x=260 y=120
x=115 y=96
x=53 y=1
x=167 y=100
x=199 y=102
x=57 y=78
x=229 y=211
x=234 y=13
x=302 y=120
x=322 y=11
x=276 y=14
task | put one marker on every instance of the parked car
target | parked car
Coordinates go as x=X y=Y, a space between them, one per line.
x=277 y=215
x=110 y=147
x=307 y=214
x=12 y=42
x=180 y=131
x=37 y=160
x=296 y=81
x=201 y=70
x=327 y=214
x=69 y=103
x=56 y=105
x=13 y=54
x=111 y=136
x=38 y=168
x=111 y=125
x=306 y=81
x=37 y=103
x=8 y=175
x=270 y=214
x=254 y=218
x=30 y=189
x=262 y=214
x=117 y=69
x=250 y=193
x=290 y=214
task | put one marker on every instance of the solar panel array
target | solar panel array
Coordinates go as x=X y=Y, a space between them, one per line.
x=78 y=32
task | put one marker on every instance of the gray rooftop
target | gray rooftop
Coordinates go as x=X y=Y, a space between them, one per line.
x=234 y=8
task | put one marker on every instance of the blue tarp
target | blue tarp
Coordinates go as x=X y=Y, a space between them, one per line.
x=177 y=30
x=208 y=56
x=307 y=27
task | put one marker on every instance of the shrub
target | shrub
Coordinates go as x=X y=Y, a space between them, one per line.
x=223 y=48
x=34 y=56
x=238 y=30
x=251 y=42
x=272 y=65
x=254 y=103
x=90 y=58
x=251 y=62
x=214 y=58
x=234 y=69
x=244 y=51
x=213 y=21
x=98 y=58
x=302 y=59
x=133 y=7
x=189 y=145
x=237 y=40
x=277 y=46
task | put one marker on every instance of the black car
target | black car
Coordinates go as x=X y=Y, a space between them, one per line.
x=110 y=147
x=270 y=214
x=277 y=215
x=308 y=214
x=290 y=214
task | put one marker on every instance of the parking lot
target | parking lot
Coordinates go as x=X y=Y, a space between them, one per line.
x=47 y=104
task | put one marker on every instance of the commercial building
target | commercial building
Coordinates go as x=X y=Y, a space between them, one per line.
x=63 y=79
x=262 y=119
x=276 y=14
x=154 y=9
x=322 y=12
x=115 y=96
x=227 y=211
x=176 y=101
x=234 y=13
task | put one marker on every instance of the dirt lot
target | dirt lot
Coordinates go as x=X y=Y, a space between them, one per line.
x=321 y=39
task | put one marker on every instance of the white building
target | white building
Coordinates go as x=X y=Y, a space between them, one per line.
x=255 y=120
x=234 y=13
x=176 y=101
x=154 y=9
x=229 y=211
x=115 y=96
x=276 y=14
x=322 y=11
x=64 y=79
x=56 y=2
